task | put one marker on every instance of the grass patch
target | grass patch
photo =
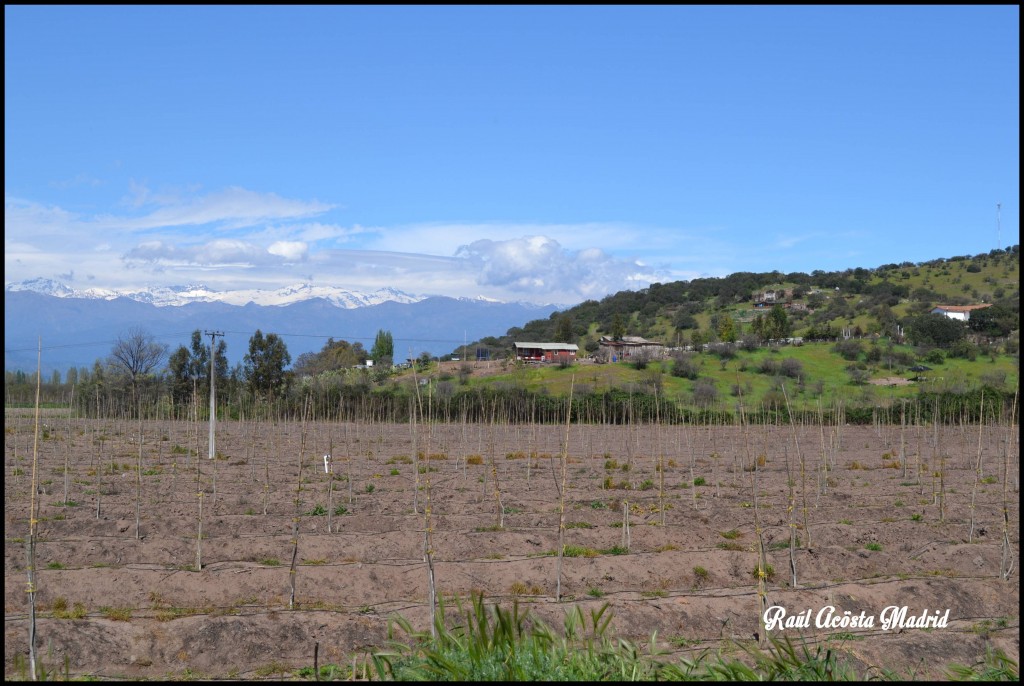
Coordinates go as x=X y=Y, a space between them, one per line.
x=117 y=614
x=61 y=611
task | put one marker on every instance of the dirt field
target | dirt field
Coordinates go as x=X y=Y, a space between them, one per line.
x=873 y=534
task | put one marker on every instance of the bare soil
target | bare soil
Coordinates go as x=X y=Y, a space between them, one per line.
x=874 y=532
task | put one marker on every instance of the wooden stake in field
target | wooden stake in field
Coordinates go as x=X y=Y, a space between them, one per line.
x=298 y=509
x=428 y=545
x=903 y=442
x=494 y=473
x=661 y=457
x=138 y=483
x=1006 y=562
x=977 y=468
x=625 y=525
x=561 y=494
x=67 y=453
x=199 y=494
x=762 y=564
x=32 y=520
x=791 y=505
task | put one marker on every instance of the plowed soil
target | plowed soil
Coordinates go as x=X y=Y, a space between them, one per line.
x=875 y=530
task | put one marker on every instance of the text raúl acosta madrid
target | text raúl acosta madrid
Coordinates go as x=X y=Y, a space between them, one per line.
x=890 y=618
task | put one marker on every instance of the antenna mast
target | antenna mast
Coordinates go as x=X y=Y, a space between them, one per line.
x=999 y=228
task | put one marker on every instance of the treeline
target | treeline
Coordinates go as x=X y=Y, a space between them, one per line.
x=353 y=396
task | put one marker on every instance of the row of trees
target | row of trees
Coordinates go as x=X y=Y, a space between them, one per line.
x=140 y=370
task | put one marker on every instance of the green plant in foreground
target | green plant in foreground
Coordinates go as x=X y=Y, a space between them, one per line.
x=318 y=511
x=996 y=666
x=500 y=645
x=492 y=644
x=874 y=546
x=328 y=672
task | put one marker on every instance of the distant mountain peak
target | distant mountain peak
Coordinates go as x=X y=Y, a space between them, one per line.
x=176 y=296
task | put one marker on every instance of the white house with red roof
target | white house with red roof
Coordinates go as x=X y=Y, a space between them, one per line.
x=960 y=312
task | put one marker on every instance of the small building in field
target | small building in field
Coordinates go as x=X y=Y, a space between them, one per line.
x=631 y=346
x=546 y=352
x=959 y=312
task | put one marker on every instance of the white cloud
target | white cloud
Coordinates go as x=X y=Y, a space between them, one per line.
x=291 y=251
x=270 y=245
x=222 y=252
x=444 y=238
x=233 y=207
x=539 y=264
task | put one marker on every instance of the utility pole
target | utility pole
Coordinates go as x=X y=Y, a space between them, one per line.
x=213 y=392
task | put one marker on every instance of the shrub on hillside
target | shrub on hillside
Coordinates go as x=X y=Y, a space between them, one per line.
x=848 y=349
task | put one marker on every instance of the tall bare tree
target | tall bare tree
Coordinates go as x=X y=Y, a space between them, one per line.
x=137 y=354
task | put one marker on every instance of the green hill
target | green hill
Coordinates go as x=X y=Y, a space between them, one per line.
x=881 y=301
x=868 y=339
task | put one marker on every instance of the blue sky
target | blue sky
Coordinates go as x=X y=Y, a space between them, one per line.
x=546 y=154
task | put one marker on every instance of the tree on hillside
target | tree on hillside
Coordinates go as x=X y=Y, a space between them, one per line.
x=935 y=331
x=998 y=320
x=264 y=366
x=383 y=350
x=564 y=329
x=726 y=329
x=776 y=324
x=618 y=329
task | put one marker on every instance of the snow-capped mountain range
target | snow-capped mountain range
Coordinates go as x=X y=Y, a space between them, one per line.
x=176 y=296
x=77 y=326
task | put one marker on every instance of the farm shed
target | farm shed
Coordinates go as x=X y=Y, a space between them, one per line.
x=546 y=352
x=959 y=312
x=630 y=346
